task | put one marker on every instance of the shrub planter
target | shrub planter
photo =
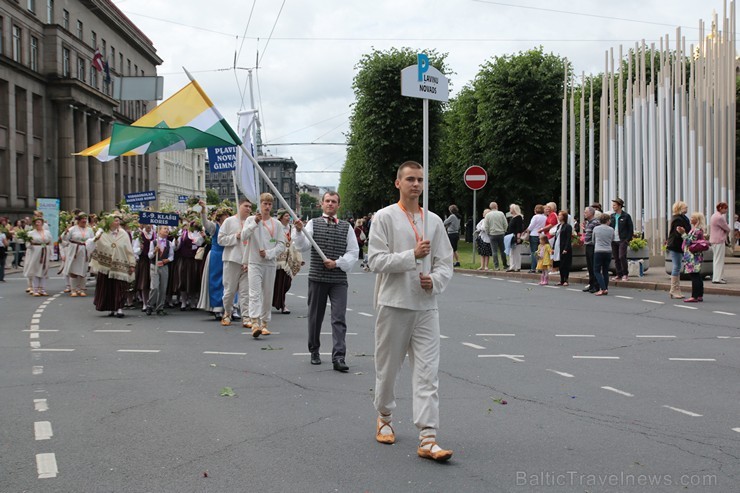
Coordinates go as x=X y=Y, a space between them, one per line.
x=707 y=265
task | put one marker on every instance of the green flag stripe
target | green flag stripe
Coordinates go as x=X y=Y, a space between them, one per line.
x=126 y=138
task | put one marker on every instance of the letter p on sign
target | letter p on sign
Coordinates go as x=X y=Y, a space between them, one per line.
x=422 y=62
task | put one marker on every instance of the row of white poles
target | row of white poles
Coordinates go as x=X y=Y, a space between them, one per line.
x=667 y=130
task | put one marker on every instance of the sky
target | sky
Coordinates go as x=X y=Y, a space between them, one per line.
x=309 y=51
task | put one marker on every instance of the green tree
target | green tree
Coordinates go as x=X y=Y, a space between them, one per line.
x=385 y=129
x=519 y=120
x=212 y=197
x=308 y=201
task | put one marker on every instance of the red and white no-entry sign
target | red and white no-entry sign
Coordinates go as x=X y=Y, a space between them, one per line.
x=475 y=177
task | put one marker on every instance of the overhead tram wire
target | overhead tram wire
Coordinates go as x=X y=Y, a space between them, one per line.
x=259 y=60
x=244 y=36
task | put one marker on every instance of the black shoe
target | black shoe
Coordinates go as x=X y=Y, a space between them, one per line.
x=217 y=316
x=119 y=315
x=593 y=290
x=339 y=365
x=148 y=311
x=315 y=359
x=456 y=264
x=586 y=289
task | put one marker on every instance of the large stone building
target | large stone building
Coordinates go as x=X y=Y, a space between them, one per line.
x=54 y=102
x=181 y=173
x=280 y=170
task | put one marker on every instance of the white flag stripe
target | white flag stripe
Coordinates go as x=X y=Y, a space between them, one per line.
x=246 y=178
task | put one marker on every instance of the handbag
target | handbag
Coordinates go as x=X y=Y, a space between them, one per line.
x=200 y=253
x=698 y=246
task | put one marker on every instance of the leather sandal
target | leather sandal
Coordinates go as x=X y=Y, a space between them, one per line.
x=387 y=438
x=440 y=455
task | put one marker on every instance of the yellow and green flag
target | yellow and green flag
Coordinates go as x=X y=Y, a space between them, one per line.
x=187 y=120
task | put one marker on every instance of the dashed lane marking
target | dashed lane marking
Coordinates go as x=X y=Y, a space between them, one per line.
x=111 y=330
x=650 y=336
x=474 y=346
x=482 y=277
x=625 y=297
x=512 y=357
x=533 y=283
x=496 y=335
x=728 y=337
x=736 y=429
x=34 y=335
x=300 y=296
x=467 y=275
x=53 y=350
x=249 y=334
x=184 y=332
x=595 y=357
x=572 y=289
x=37 y=330
x=515 y=281
x=290 y=294
x=495 y=278
x=692 y=359
x=575 y=335
x=224 y=353
x=622 y=392
x=561 y=373
x=309 y=354
x=443 y=336
x=329 y=333
x=350 y=310
x=35 y=344
x=46 y=466
x=365 y=314
x=42 y=430
x=683 y=411
x=686 y=307
x=138 y=350
x=551 y=287
x=656 y=302
x=724 y=313
x=37 y=370
x=40 y=405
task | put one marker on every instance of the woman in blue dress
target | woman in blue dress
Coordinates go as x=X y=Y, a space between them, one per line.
x=212 y=286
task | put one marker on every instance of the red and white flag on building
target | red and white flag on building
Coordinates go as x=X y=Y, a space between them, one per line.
x=97 y=60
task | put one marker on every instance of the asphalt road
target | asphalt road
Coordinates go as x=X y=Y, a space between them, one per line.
x=630 y=392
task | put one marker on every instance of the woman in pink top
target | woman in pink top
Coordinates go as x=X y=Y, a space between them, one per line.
x=719 y=232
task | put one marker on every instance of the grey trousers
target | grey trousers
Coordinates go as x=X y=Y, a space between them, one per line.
x=317 y=295
x=158 y=278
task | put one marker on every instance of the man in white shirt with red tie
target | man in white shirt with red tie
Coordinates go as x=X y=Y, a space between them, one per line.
x=328 y=278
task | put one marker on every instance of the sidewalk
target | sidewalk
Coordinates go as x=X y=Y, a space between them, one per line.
x=655 y=279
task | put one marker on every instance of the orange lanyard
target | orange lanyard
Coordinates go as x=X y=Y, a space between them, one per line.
x=411 y=221
x=272 y=232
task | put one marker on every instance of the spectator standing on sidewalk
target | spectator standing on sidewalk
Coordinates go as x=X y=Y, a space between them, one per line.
x=679 y=226
x=624 y=229
x=692 y=260
x=590 y=222
x=495 y=224
x=452 y=224
x=719 y=232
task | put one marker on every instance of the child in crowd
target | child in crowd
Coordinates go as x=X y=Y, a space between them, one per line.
x=544 y=252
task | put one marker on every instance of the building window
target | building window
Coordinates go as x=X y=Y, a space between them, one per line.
x=129 y=66
x=2 y=37
x=50 y=11
x=65 y=19
x=120 y=63
x=112 y=57
x=93 y=76
x=65 y=62
x=34 y=53
x=136 y=69
x=81 y=68
x=94 y=39
x=32 y=5
x=80 y=30
x=17 y=46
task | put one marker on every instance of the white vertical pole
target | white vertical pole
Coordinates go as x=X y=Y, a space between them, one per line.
x=582 y=151
x=570 y=206
x=564 y=141
x=591 y=150
x=426 y=261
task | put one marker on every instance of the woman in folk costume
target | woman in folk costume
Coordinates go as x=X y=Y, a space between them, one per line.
x=187 y=244
x=211 y=284
x=142 y=243
x=113 y=259
x=76 y=257
x=288 y=264
x=38 y=256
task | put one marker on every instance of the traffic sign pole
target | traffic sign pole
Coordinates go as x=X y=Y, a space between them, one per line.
x=475 y=178
x=475 y=217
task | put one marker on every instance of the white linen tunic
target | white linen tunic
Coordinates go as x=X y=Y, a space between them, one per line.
x=76 y=258
x=38 y=254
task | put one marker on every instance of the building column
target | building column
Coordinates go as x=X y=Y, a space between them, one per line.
x=67 y=171
x=97 y=195
x=109 y=177
x=81 y=162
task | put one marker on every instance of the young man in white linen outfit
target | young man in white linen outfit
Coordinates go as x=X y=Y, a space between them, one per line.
x=235 y=273
x=406 y=304
x=265 y=238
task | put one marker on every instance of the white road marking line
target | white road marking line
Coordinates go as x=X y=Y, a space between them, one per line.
x=300 y=296
x=111 y=330
x=350 y=310
x=622 y=392
x=309 y=354
x=39 y=391
x=533 y=283
x=728 y=337
x=40 y=405
x=34 y=335
x=551 y=287
x=290 y=294
x=482 y=277
x=687 y=307
x=572 y=289
x=595 y=357
x=625 y=297
x=46 y=466
x=512 y=357
x=496 y=335
x=684 y=411
x=647 y=336
x=42 y=430
x=656 y=302
x=467 y=275
x=736 y=429
x=474 y=346
x=37 y=370
x=329 y=333
x=724 y=313
x=37 y=330
x=496 y=278
x=35 y=344
x=443 y=336
x=691 y=359
x=515 y=281
x=575 y=335
x=184 y=332
x=54 y=350
x=138 y=350
x=224 y=353
x=561 y=373
x=249 y=334
x=365 y=314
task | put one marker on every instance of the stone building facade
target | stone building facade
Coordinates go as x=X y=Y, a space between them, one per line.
x=181 y=173
x=53 y=102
